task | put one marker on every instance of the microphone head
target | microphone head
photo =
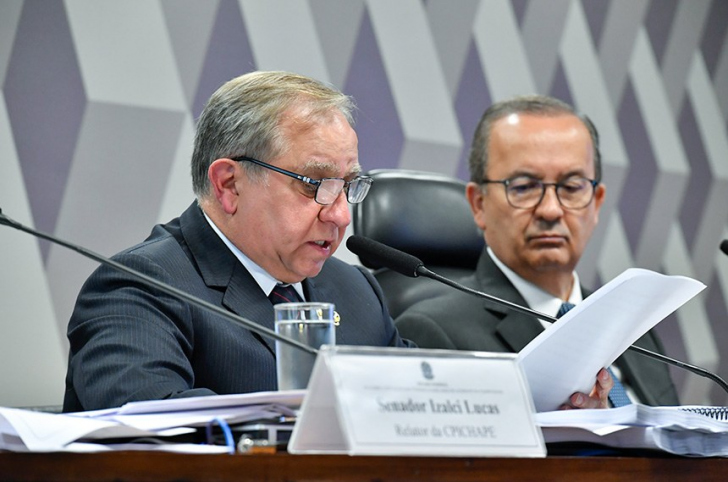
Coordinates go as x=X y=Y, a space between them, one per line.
x=384 y=255
x=724 y=246
x=6 y=221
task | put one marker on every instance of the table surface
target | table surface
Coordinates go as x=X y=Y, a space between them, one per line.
x=162 y=466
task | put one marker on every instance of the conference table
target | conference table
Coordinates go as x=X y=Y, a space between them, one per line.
x=163 y=466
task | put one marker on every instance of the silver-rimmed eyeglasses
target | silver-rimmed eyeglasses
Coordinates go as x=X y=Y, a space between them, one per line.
x=324 y=191
x=525 y=192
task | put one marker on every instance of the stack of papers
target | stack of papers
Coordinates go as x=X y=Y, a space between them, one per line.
x=566 y=357
x=675 y=430
x=160 y=420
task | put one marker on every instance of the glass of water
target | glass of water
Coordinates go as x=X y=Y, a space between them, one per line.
x=309 y=323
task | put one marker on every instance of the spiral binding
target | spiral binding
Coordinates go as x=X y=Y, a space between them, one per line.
x=717 y=413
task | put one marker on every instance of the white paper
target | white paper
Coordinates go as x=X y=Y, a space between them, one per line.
x=199 y=418
x=282 y=397
x=197 y=411
x=633 y=414
x=24 y=430
x=636 y=426
x=566 y=357
x=183 y=448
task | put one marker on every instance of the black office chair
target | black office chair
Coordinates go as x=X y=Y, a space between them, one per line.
x=423 y=214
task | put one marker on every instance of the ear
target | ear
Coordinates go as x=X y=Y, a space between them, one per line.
x=474 y=193
x=600 y=194
x=223 y=175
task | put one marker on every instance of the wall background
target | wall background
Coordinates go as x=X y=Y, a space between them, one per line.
x=99 y=100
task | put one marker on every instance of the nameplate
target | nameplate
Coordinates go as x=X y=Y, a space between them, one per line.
x=396 y=401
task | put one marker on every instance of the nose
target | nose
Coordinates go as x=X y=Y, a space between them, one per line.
x=550 y=208
x=337 y=212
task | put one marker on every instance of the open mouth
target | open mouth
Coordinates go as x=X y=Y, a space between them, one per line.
x=323 y=244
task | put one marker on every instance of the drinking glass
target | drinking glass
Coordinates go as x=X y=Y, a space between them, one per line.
x=310 y=323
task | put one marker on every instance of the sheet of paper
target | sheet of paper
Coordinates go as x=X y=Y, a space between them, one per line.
x=679 y=442
x=24 y=430
x=636 y=426
x=566 y=357
x=635 y=414
x=183 y=448
x=200 y=418
x=290 y=398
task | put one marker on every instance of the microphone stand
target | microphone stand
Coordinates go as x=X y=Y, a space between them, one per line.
x=421 y=270
x=170 y=290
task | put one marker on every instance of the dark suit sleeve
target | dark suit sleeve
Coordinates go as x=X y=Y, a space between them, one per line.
x=128 y=342
x=423 y=330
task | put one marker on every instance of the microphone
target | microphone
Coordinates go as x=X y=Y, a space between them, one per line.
x=394 y=259
x=408 y=265
x=724 y=246
x=148 y=280
x=411 y=266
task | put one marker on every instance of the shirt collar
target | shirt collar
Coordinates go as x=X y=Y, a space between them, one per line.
x=261 y=276
x=536 y=298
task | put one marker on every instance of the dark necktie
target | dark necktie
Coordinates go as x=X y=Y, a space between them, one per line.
x=617 y=395
x=284 y=294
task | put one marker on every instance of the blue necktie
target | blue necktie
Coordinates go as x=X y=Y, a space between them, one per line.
x=617 y=395
x=284 y=294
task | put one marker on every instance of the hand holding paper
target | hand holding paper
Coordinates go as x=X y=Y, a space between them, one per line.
x=566 y=357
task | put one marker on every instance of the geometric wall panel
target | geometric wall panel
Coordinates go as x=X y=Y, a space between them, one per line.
x=99 y=100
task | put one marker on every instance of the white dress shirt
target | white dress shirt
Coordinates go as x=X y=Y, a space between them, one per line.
x=261 y=276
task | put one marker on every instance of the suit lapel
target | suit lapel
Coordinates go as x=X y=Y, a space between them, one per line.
x=222 y=271
x=312 y=293
x=244 y=297
x=516 y=330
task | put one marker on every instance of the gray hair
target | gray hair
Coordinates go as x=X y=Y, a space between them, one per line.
x=243 y=116
x=540 y=105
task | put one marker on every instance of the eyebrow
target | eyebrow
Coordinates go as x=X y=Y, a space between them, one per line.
x=328 y=169
x=521 y=173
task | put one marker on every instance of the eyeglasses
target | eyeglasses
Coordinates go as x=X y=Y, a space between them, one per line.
x=524 y=192
x=324 y=191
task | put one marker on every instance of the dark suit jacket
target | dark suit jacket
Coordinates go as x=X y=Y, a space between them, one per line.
x=130 y=342
x=459 y=321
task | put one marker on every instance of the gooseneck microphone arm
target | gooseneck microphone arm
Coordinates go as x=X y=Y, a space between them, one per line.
x=409 y=265
x=421 y=270
x=148 y=280
x=550 y=319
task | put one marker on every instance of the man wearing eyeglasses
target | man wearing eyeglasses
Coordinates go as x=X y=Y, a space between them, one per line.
x=274 y=166
x=535 y=190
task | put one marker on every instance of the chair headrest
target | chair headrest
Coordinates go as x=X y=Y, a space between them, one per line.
x=421 y=213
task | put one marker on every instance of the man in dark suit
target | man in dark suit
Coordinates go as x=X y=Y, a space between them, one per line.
x=535 y=191
x=275 y=162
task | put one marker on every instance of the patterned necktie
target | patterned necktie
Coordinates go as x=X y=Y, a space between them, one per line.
x=617 y=395
x=284 y=294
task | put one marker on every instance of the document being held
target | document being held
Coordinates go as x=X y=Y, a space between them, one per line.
x=566 y=357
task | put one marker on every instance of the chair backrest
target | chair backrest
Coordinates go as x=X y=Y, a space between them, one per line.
x=423 y=214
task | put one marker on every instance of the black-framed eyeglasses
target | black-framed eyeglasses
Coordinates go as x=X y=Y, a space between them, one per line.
x=525 y=192
x=323 y=191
